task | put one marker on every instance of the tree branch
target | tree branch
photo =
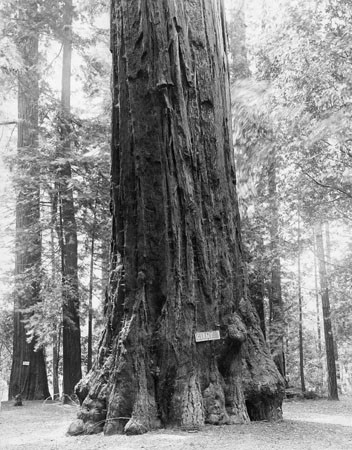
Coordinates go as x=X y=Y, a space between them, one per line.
x=327 y=186
x=14 y=122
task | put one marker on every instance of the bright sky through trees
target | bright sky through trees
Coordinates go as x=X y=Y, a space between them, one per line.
x=81 y=105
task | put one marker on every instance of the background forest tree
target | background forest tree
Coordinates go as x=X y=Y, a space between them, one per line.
x=298 y=96
x=86 y=155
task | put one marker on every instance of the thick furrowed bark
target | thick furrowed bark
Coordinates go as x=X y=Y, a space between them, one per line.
x=177 y=260
x=263 y=386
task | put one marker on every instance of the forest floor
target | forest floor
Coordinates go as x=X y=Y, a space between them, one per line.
x=307 y=425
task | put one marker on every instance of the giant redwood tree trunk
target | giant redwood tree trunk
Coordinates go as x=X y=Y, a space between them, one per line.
x=177 y=258
x=28 y=373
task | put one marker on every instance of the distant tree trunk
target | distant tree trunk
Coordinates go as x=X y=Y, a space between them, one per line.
x=90 y=293
x=317 y=295
x=329 y=339
x=56 y=359
x=238 y=67
x=105 y=266
x=54 y=279
x=177 y=254
x=320 y=351
x=264 y=14
x=276 y=319
x=71 y=335
x=331 y=297
x=328 y=248
x=28 y=373
x=300 y=324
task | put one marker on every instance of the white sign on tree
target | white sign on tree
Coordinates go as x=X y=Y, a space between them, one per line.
x=202 y=336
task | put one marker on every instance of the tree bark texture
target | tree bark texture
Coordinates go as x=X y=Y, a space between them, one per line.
x=257 y=293
x=177 y=257
x=28 y=373
x=71 y=334
x=328 y=333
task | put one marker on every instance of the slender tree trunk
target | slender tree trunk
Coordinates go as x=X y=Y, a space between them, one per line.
x=28 y=373
x=300 y=324
x=328 y=249
x=329 y=339
x=90 y=294
x=105 y=266
x=320 y=351
x=72 y=371
x=331 y=297
x=264 y=14
x=55 y=365
x=54 y=280
x=239 y=66
x=276 y=319
x=177 y=258
x=317 y=295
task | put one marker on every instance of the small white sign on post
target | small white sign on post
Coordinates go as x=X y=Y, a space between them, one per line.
x=202 y=336
x=25 y=363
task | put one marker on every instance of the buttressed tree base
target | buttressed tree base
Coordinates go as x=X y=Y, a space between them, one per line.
x=177 y=264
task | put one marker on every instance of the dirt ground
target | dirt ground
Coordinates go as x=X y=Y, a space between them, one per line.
x=307 y=425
